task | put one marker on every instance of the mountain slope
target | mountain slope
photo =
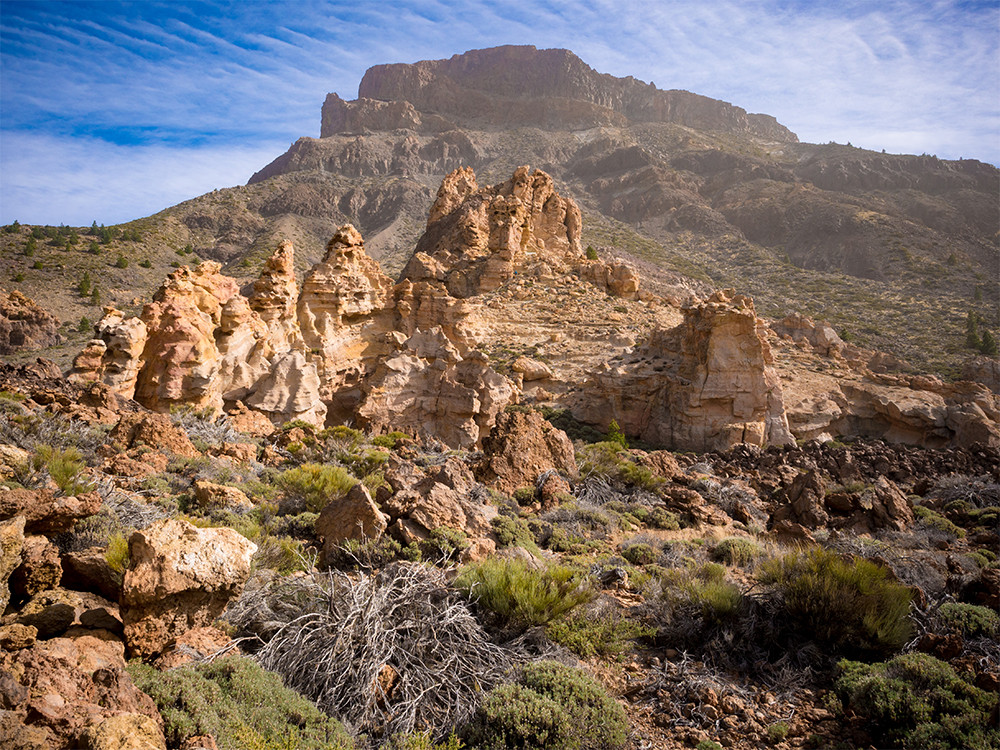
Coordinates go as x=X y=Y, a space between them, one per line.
x=894 y=250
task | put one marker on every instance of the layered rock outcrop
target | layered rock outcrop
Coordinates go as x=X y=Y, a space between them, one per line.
x=519 y=86
x=707 y=384
x=479 y=237
x=24 y=325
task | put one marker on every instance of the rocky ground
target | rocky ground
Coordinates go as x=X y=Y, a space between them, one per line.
x=344 y=512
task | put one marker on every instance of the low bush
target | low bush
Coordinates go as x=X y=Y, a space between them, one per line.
x=314 y=485
x=66 y=468
x=851 y=606
x=444 y=544
x=931 y=519
x=969 y=620
x=520 y=595
x=917 y=702
x=242 y=706
x=736 y=551
x=550 y=707
x=389 y=653
x=597 y=634
x=638 y=553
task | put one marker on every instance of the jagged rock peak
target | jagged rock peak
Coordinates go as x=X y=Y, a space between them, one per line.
x=523 y=86
x=477 y=238
x=346 y=285
x=275 y=294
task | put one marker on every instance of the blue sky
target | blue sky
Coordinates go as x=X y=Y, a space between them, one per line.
x=114 y=110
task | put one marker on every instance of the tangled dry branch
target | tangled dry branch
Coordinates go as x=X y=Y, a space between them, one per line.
x=385 y=653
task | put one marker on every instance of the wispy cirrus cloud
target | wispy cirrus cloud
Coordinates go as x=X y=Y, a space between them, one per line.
x=214 y=83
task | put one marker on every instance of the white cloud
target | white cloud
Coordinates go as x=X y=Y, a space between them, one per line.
x=53 y=180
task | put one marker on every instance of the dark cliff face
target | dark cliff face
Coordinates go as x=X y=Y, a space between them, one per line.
x=520 y=86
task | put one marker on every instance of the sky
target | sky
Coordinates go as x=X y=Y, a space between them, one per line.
x=110 y=111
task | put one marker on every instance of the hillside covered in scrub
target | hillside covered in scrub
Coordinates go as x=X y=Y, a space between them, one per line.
x=525 y=496
x=407 y=446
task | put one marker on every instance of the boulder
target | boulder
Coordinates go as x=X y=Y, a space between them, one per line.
x=209 y=494
x=156 y=431
x=40 y=568
x=126 y=731
x=71 y=686
x=520 y=447
x=531 y=369
x=11 y=542
x=44 y=512
x=355 y=516
x=179 y=577
x=289 y=391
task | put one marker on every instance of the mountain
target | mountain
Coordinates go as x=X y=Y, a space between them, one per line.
x=895 y=251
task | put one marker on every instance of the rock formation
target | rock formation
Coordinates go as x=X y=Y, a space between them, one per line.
x=24 y=325
x=520 y=447
x=478 y=238
x=179 y=577
x=707 y=384
x=520 y=86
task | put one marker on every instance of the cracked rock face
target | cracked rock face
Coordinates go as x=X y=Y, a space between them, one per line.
x=707 y=384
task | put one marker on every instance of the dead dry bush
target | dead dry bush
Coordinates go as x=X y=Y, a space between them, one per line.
x=390 y=652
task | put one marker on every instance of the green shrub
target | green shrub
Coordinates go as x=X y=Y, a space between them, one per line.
x=316 y=485
x=513 y=531
x=970 y=620
x=281 y=554
x=520 y=595
x=551 y=707
x=916 y=701
x=591 y=253
x=117 y=555
x=65 y=466
x=777 y=732
x=444 y=544
x=239 y=704
x=615 y=434
x=934 y=520
x=605 y=634
x=708 y=745
x=848 y=605
x=638 y=553
x=422 y=741
x=606 y=459
x=736 y=551
x=391 y=441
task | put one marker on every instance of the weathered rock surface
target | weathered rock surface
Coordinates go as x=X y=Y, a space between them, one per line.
x=24 y=325
x=179 y=577
x=479 y=237
x=11 y=543
x=67 y=690
x=355 y=516
x=520 y=447
x=275 y=295
x=44 y=513
x=708 y=383
x=155 y=431
x=40 y=568
x=445 y=496
x=114 y=356
x=427 y=389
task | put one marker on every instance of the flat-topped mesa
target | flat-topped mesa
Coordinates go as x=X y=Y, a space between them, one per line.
x=707 y=384
x=521 y=86
x=477 y=238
